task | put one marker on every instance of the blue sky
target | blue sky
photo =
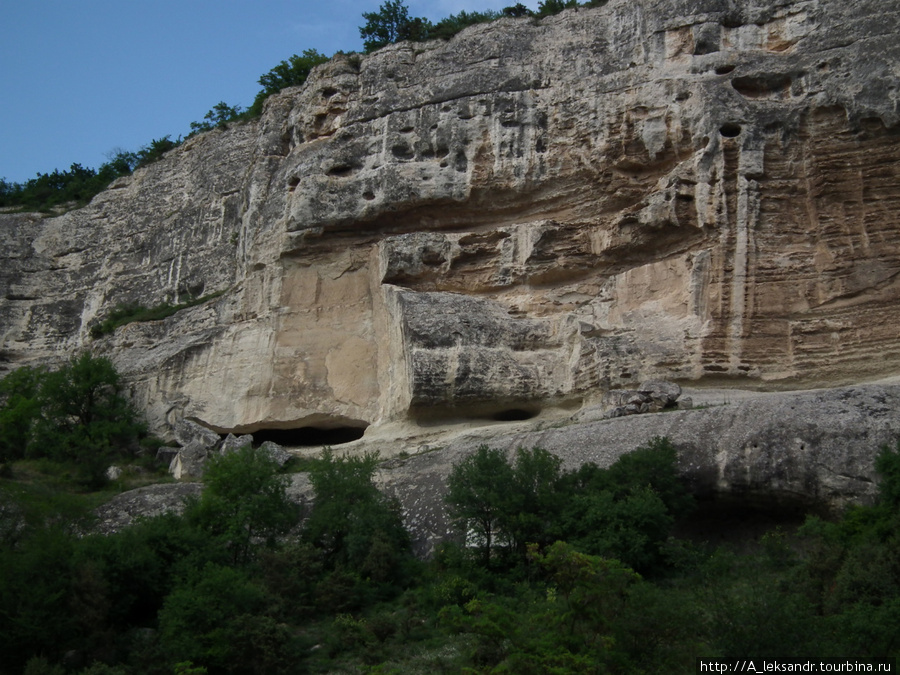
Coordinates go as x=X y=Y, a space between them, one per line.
x=82 y=78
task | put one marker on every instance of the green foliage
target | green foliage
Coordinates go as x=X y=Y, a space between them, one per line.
x=478 y=491
x=453 y=24
x=392 y=23
x=218 y=619
x=290 y=73
x=169 y=594
x=624 y=512
x=74 y=414
x=244 y=500
x=79 y=185
x=551 y=7
x=19 y=396
x=517 y=10
x=217 y=118
x=35 y=618
x=122 y=315
x=353 y=523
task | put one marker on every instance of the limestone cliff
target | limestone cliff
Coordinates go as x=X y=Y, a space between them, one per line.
x=517 y=219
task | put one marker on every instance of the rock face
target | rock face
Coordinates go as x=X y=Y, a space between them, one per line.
x=518 y=219
x=810 y=451
x=807 y=451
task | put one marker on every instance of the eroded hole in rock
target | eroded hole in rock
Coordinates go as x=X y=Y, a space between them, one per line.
x=340 y=171
x=293 y=183
x=730 y=130
x=513 y=415
x=762 y=86
x=438 y=415
x=403 y=152
x=309 y=436
x=724 y=70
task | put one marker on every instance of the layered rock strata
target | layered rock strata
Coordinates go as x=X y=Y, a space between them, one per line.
x=517 y=219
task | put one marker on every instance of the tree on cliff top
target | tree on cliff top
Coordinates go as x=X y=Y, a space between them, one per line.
x=391 y=23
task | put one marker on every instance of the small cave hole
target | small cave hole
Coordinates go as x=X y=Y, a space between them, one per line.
x=724 y=70
x=340 y=171
x=730 y=130
x=513 y=415
x=293 y=183
x=309 y=436
x=403 y=152
x=328 y=92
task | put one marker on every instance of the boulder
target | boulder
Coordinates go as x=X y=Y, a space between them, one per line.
x=233 y=443
x=188 y=432
x=190 y=461
x=276 y=452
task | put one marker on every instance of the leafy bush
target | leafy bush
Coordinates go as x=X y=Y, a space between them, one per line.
x=132 y=312
x=290 y=73
x=354 y=525
x=624 y=512
x=79 y=185
x=74 y=414
x=244 y=501
x=217 y=118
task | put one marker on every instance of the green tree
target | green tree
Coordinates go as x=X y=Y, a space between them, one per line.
x=453 y=24
x=217 y=118
x=478 y=497
x=391 y=23
x=532 y=514
x=355 y=526
x=551 y=7
x=290 y=73
x=84 y=415
x=244 y=499
x=77 y=413
x=218 y=619
x=20 y=408
x=627 y=510
x=517 y=10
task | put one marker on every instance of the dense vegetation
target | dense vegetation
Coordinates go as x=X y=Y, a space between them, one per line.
x=554 y=571
x=76 y=415
x=391 y=23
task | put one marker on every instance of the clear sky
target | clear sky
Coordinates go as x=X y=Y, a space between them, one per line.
x=80 y=79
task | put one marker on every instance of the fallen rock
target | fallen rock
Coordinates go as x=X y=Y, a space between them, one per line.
x=233 y=443
x=188 y=433
x=276 y=452
x=190 y=461
x=145 y=502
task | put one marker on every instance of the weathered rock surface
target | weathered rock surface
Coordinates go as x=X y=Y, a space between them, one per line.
x=517 y=219
x=812 y=450
x=150 y=501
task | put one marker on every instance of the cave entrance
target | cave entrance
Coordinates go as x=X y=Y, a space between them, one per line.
x=305 y=437
x=514 y=415
x=740 y=521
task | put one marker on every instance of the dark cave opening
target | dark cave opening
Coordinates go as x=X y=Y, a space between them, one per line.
x=513 y=415
x=304 y=437
x=737 y=520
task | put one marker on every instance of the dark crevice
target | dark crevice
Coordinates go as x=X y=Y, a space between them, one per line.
x=308 y=436
x=514 y=415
